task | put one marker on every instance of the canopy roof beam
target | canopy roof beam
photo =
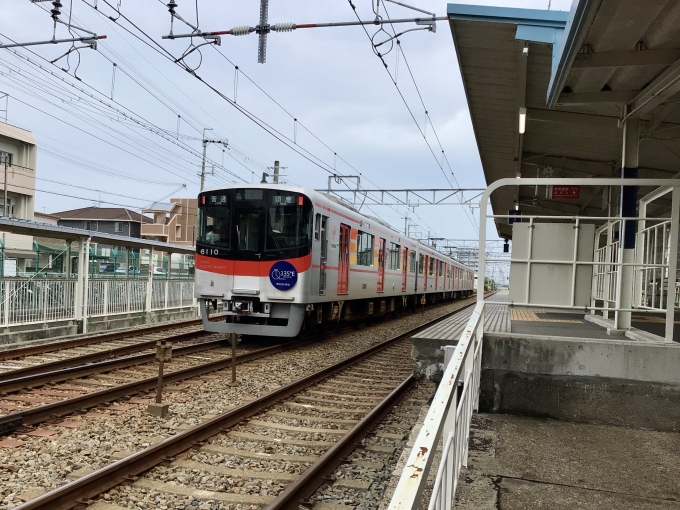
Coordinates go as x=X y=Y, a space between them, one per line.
x=661 y=57
x=656 y=93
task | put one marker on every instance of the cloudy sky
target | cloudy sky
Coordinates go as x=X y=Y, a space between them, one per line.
x=113 y=139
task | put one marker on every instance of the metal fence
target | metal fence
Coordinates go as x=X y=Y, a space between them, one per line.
x=171 y=294
x=41 y=300
x=30 y=301
x=653 y=280
x=448 y=423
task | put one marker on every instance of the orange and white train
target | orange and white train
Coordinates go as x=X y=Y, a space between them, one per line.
x=282 y=258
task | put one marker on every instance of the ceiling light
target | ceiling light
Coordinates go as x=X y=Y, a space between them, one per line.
x=522 y=120
x=516 y=206
x=525 y=51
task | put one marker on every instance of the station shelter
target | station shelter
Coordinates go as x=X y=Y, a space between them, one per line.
x=68 y=293
x=576 y=116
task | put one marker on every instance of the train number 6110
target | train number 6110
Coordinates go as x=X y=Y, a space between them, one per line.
x=210 y=251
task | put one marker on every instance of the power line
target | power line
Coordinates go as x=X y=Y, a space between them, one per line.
x=394 y=82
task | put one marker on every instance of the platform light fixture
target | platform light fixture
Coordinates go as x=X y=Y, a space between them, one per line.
x=522 y=120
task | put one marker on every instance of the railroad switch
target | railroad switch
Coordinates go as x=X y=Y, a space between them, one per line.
x=163 y=355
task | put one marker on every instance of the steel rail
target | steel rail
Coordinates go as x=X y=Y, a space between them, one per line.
x=40 y=379
x=299 y=492
x=103 y=479
x=89 y=339
x=91 y=358
x=46 y=412
x=33 y=416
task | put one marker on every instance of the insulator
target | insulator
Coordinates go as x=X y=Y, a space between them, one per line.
x=242 y=30
x=56 y=12
x=172 y=5
x=284 y=27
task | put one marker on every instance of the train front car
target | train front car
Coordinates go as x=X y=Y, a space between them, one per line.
x=253 y=254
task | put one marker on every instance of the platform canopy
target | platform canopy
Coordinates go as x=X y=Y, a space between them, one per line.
x=32 y=228
x=575 y=75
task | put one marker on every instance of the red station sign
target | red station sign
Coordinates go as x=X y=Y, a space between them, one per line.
x=565 y=192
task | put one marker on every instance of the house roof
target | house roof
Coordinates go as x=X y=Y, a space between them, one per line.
x=103 y=214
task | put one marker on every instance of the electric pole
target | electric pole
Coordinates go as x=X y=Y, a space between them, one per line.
x=205 y=146
x=276 y=169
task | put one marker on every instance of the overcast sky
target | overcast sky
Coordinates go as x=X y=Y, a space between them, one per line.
x=327 y=78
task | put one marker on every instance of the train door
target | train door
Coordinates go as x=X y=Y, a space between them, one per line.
x=381 y=265
x=343 y=260
x=426 y=267
x=404 y=270
x=323 y=259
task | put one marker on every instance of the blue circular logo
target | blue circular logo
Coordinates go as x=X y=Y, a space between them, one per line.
x=283 y=275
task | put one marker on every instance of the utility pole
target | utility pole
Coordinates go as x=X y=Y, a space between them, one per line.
x=277 y=168
x=205 y=146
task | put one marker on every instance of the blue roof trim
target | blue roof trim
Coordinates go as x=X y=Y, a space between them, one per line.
x=545 y=35
x=563 y=58
x=534 y=17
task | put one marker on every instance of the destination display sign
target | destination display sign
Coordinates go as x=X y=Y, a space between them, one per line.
x=565 y=192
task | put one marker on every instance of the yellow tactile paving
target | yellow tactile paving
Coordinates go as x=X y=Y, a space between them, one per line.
x=529 y=316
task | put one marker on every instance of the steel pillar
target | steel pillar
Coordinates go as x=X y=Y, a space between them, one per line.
x=628 y=229
x=80 y=278
x=672 y=264
x=86 y=282
x=149 y=285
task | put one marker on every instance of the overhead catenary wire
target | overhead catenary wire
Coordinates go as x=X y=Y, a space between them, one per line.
x=427 y=114
x=304 y=127
x=99 y=103
x=401 y=95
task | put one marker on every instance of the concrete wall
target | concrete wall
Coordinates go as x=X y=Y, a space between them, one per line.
x=612 y=382
x=18 y=336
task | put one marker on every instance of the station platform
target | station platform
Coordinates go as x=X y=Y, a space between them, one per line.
x=569 y=415
x=502 y=318
x=518 y=462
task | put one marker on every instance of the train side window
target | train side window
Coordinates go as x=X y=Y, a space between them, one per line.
x=431 y=271
x=412 y=269
x=317 y=227
x=421 y=269
x=393 y=262
x=364 y=249
x=441 y=268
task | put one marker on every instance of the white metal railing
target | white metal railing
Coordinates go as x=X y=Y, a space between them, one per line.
x=171 y=294
x=654 y=282
x=31 y=301
x=40 y=300
x=448 y=422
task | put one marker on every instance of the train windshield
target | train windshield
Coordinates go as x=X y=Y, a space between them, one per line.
x=213 y=222
x=255 y=224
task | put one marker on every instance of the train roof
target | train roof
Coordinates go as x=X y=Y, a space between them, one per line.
x=313 y=193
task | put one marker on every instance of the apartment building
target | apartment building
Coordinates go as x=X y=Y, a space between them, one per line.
x=173 y=222
x=18 y=152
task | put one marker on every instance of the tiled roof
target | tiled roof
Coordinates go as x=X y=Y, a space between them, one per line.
x=103 y=213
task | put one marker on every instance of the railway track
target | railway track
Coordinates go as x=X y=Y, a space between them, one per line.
x=86 y=349
x=35 y=394
x=282 y=446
